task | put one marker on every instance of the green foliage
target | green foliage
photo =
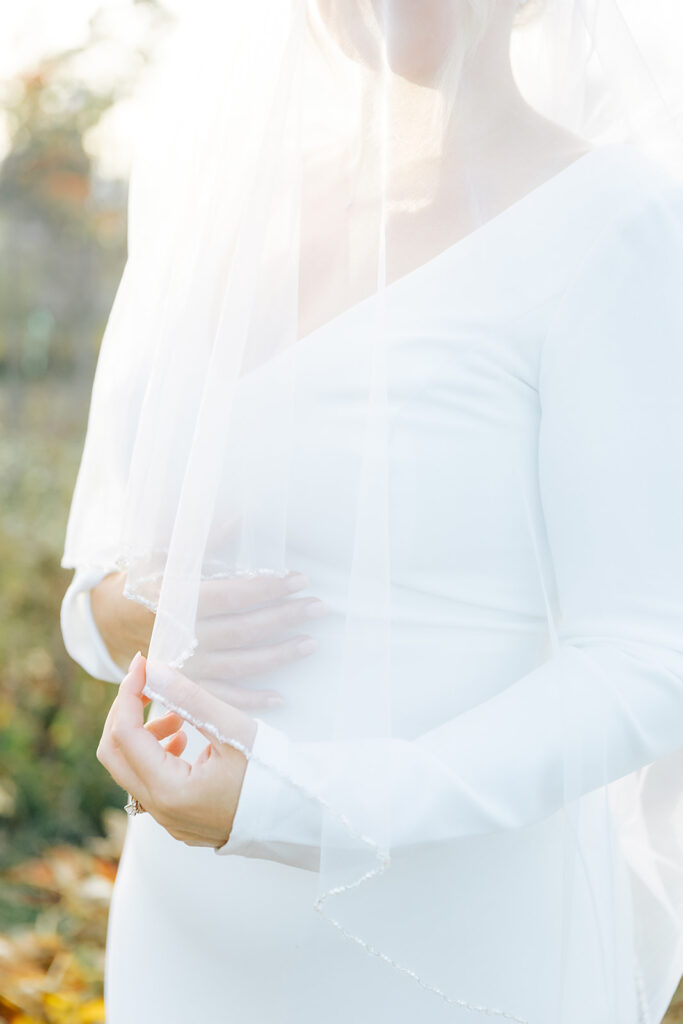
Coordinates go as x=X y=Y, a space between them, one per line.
x=51 y=713
x=62 y=249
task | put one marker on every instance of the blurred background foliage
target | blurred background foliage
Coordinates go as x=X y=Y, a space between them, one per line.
x=62 y=250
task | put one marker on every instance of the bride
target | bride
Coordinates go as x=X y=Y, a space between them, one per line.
x=380 y=507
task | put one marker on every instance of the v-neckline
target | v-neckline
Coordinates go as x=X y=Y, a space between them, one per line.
x=488 y=227
x=512 y=209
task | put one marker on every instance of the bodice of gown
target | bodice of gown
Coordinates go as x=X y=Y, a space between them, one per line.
x=467 y=333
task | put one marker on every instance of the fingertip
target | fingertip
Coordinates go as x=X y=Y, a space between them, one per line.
x=176 y=743
x=294 y=581
x=135 y=678
x=134 y=661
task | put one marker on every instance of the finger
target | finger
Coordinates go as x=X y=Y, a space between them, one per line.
x=237 y=593
x=176 y=743
x=143 y=754
x=157 y=781
x=121 y=772
x=130 y=699
x=248 y=629
x=231 y=746
x=162 y=727
x=232 y=666
x=108 y=753
x=200 y=707
x=201 y=670
x=132 y=682
x=241 y=697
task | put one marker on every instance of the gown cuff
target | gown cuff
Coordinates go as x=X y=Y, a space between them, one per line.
x=270 y=805
x=82 y=638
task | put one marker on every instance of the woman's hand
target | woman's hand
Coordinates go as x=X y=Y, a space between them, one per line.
x=195 y=803
x=240 y=622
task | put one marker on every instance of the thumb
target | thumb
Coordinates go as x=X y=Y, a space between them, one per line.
x=133 y=683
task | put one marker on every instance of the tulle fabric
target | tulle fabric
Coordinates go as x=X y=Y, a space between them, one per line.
x=286 y=149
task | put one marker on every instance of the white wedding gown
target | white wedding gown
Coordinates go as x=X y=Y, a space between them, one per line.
x=507 y=359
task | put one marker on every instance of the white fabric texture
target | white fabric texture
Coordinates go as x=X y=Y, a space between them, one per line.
x=81 y=636
x=619 y=571
x=576 y=374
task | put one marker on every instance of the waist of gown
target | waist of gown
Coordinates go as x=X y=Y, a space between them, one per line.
x=444 y=658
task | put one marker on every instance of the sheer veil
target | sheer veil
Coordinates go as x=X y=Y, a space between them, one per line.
x=302 y=162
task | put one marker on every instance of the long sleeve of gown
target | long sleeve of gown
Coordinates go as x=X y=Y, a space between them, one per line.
x=610 y=472
x=81 y=636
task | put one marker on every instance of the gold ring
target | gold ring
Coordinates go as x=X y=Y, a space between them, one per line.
x=133 y=806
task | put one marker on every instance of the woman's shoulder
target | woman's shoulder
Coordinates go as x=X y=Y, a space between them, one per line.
x=641 y=194
x=632 y=257
x=626 y=211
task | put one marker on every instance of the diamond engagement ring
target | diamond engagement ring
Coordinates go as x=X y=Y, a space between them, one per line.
x=133 y=806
